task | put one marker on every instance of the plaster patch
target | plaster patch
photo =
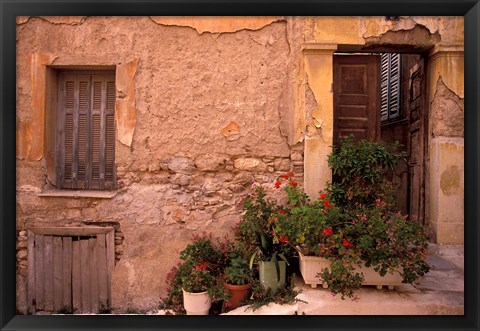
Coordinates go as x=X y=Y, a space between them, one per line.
x=125 y=113
x=38 y=63
x=447 y=112
x=231 y=129
x=69 y=20
x=450 y=180
x=218 y=24
x=417 y=38
x=449 y=66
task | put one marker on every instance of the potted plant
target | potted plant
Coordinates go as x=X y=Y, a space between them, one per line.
x=195 y=287
x=238 y=281
x=200 y=268
x=351 y=236
x=255 y=234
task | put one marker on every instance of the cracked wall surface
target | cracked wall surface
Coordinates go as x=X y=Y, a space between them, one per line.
x=197 y=122
x=204 y=108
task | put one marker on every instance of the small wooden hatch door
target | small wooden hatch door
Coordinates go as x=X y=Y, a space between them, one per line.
x=69 y=269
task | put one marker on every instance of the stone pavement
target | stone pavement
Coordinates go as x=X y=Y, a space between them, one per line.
x=440 y=292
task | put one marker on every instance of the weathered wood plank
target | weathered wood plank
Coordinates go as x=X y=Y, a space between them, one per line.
x=67 y=272
x=57 y=273
x=31 y=273
x=76 y=278
x=110 y=245
x=39 y=273
x=85 y=278
x=102 y=272
x=72 y=231
x=92 y=248
x=48 y=251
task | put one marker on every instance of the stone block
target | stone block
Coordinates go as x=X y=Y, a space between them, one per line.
x=181 y=165
x=282 y=165
x=210 y=162
x=250 y=164
x=446 y=193
x=449 y=233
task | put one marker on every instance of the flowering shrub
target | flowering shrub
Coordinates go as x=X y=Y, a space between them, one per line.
x=354 y=222
x=199 y=279
x=201 y=268
x=255 y=232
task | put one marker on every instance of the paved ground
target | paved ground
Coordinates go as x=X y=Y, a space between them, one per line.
x=440 y=292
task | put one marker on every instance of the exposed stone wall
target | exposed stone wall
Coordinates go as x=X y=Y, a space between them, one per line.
x=207 y=121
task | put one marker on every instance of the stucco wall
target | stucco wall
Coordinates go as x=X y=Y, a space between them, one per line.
x=205 y=107
x=198 y=121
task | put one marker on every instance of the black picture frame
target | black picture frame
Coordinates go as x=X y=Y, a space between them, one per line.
x=9 y=9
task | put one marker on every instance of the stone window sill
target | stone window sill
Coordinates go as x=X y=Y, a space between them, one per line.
x=78 y=194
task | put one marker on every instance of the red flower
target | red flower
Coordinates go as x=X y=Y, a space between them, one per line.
x=201 y=266
x=323 y=196
x=283 y=212
x=347 y=244
x=277 y=184
x=293 y=183
x=327 y=232
x=286 y=176
x=327 y=204
x=283 y=239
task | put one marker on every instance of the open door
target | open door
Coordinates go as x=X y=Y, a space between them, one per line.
x=356 y=97
x=416 y=150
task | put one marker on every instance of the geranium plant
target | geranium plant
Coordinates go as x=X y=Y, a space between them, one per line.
x=353 y=223
x=199 y=279
x=255 y=232
x=200 y=268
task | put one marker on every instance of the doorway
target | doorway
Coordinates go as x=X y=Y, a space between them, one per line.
x=382 y=97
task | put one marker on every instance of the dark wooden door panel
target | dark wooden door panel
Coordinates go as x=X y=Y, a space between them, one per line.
x=416 y=151
x=356 y=96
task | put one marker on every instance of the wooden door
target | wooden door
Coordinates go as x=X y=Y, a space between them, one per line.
x=416 y=149
x=69 y=270
x=356 y=97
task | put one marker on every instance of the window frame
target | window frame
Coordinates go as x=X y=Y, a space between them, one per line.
x=92 y=76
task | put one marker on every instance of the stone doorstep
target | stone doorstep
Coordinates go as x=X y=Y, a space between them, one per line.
x=440 y=292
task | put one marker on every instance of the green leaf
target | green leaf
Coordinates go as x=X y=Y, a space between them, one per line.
x=252 y=258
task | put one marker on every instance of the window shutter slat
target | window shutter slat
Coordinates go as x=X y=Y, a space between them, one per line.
x=96 y=130
x=82 y=150
x=68 y=151
x=110 y=152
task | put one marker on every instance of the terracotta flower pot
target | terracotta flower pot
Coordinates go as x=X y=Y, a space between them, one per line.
x=196 y=303
x=239 y=293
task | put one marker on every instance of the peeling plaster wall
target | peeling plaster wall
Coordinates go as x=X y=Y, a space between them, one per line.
x=200 y=116
x=205 y=107
x=446 y=189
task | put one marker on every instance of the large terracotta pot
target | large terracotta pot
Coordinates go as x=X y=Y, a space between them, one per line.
x=239 y=293
x=196 y=303
x=268 y=274
x=310 y=266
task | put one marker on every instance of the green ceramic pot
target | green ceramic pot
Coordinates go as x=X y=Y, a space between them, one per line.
x=269 y=276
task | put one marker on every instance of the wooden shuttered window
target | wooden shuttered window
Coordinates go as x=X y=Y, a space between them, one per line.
x=390 y=83
x=86 y=131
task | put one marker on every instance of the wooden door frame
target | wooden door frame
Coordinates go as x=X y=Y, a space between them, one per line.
x=426 y=115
